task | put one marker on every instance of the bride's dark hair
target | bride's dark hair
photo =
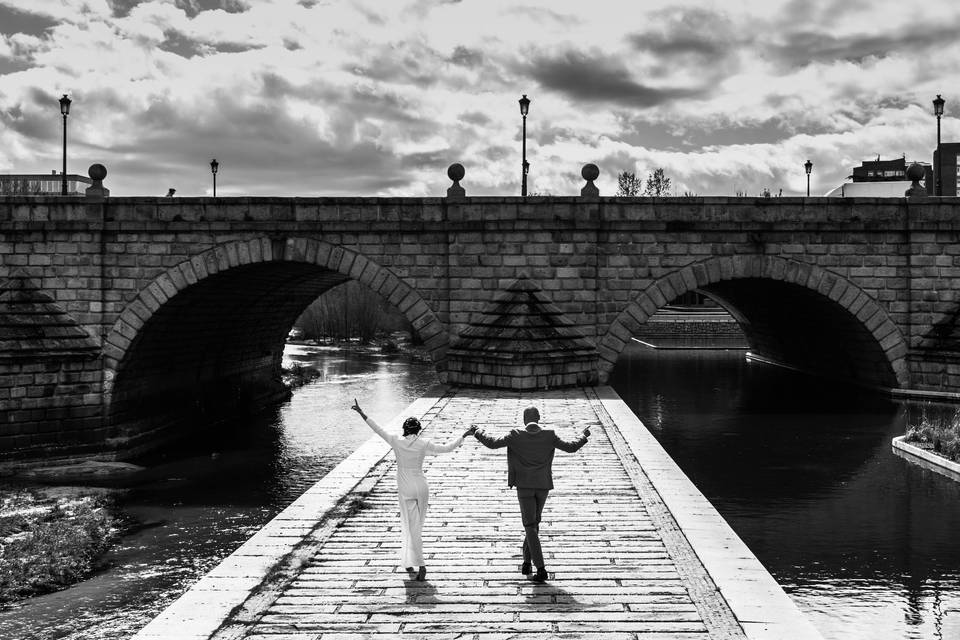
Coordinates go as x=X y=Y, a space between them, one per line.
x=410 y=426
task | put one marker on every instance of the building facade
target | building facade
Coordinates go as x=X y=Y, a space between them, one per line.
x=946 y=161
x=882 y=179
x=42 y=184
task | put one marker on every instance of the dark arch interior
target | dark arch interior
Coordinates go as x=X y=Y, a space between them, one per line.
x=798 y=327
x=214 y=349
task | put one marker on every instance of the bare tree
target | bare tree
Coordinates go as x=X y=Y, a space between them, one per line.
x=658 y=184
x=628 y=184
x=347 y=311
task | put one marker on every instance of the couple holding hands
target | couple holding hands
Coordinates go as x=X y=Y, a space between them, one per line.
x=529 y=468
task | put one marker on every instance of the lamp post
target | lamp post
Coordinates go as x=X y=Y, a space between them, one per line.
x=214 y=166
x=938 y=111
x=808 y=166
x=65 y=111
x=524 y=109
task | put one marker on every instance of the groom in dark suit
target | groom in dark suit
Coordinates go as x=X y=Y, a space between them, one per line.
x=529 y=469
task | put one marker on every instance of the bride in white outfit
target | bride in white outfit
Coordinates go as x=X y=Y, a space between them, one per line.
x=412 y=490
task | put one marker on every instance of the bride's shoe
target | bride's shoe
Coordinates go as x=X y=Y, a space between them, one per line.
x=409 y=569
x=422 y=573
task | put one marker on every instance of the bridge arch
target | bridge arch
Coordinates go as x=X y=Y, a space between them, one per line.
x=213 y=326
x=839 y=329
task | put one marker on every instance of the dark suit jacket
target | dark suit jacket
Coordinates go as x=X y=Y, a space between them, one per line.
x=530 y=455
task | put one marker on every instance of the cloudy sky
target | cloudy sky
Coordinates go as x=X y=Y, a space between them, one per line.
x=378 y=97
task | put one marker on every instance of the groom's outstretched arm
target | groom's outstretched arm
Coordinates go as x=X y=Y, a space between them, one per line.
x=571 y=446
x=489 y=441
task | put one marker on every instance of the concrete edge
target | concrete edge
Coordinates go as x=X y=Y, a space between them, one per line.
x=206 y=605
x=759 y=604
x=900 y=392
x=926 y=459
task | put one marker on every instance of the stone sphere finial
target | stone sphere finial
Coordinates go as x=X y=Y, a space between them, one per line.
x=915 y=173
x=456 y=172
x=97 y=173
x=590 y=172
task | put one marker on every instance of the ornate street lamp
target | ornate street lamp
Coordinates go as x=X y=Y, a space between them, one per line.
x=938 y=111
x=65 y=111
x=214 y=166
x=524 y=109
x=808 y=166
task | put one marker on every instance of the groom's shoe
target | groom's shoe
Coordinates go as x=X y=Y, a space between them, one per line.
x=526 y=568
x=540 y=575
x=422 y=574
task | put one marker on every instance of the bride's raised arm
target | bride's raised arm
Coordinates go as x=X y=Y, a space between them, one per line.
x=373 y=424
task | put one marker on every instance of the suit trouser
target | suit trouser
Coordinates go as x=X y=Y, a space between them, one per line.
x=531 y=506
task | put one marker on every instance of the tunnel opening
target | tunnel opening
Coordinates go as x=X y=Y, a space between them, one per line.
x=212 y=352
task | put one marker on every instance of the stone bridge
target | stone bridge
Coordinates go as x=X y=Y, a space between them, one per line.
x=121 y=318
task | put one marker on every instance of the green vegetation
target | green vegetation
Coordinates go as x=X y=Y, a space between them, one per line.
x=50 y=542
x=940 y=433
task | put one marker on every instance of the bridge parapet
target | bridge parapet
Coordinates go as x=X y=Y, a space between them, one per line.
x=481 y=209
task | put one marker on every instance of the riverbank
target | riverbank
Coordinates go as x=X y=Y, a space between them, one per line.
x=383 y=346
x=925 y=457
x=937 y=432
x=52 y=537
x=298 y=374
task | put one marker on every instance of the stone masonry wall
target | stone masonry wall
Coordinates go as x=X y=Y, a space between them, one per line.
x=891 y=266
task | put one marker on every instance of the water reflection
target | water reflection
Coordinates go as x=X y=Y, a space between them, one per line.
x=864 y=541
x=203 y=500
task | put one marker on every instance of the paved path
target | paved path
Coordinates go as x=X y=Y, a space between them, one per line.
x=621 y=564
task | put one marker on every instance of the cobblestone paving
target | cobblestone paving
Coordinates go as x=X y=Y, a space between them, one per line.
x=619 y=566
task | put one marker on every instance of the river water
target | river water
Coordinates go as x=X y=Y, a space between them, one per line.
x=866 y=543
x=204 y=500
x=863 y=541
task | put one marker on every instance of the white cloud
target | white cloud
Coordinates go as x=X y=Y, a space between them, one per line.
x=335 y=97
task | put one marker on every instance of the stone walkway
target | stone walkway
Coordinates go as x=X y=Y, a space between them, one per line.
x=621 y=566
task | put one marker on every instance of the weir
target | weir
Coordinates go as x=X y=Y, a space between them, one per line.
x=635 y=551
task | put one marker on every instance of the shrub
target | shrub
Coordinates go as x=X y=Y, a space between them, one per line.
x=52 y=548
x=938 y=430
x=298 y=375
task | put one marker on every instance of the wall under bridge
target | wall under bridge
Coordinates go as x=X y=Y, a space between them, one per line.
x=121 y=318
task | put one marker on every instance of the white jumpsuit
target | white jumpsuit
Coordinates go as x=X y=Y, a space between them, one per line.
x=412 y=490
